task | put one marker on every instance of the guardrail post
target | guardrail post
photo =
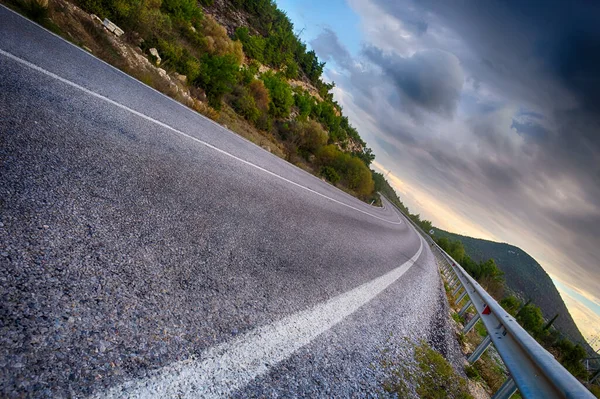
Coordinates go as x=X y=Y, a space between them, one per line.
x=595 y=377
x=457 y=290
x=465 y=308
x=506 y=390
x=481 y=348
x=456 y=281
x=461 y=297
x=471 y=324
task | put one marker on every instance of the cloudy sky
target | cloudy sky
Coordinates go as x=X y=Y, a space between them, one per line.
x=487 y=114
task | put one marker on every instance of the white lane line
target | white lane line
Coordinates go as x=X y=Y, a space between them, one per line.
x=164 y=125
x=227 y=367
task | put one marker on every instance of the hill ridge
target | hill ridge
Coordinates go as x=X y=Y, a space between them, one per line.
x=525 y=278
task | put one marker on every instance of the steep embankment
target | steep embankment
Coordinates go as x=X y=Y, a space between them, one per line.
x=524 y=277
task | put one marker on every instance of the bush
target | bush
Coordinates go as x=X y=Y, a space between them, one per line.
x=304 y=102
x=359 y=177
x=264 y=122
x=254 y=46
x=431 y=376
x=218 y=42
x=245 y=105
x=217 y=76
x=308 y=136
x=330 y=174
x=260 y=93
x=186 y=10
x=280 y=93
x=354 y=173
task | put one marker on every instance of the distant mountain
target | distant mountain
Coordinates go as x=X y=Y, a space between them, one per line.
x=524 y=277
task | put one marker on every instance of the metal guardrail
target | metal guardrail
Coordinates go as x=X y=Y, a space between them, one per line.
x=533 y=370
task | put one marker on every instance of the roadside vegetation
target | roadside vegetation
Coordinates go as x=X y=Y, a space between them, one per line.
x=254 y=76
x=527 y=314
x=429 y=377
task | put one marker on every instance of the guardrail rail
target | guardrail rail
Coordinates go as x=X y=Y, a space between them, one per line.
x=533 y=370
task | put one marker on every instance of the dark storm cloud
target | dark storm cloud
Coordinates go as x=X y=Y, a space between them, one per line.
x=522 y=82
x=530 y=129
x=328 y=48
x=431 y=79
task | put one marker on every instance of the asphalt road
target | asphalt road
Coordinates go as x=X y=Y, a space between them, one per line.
x=146 y=251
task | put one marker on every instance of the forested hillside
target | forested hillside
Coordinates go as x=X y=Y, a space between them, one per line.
x=524 y=277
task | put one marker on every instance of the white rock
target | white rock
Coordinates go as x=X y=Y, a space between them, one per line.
x=162 y=72
x=96 y=18
x=154 y=53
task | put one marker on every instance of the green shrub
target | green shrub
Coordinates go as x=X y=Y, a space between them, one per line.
x=254 y=46
x=264 y=122
x=280 y=93
x=217 y=76
x=330 y=174
x=308 y=136
x=472 y=373
x=245 y=105
x=304 y=102
x=457 y=318
x=186 y=10
x=432 y=377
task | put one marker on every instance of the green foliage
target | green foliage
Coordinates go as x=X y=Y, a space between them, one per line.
x=571 y=356
x=431 y=375
x=530 y=317
x=245 y=105
x=457 y=318
x=511 y=304
x=438 y=378
x=368 y=157
x=523 y=276
x=254 y=46
x=310 y=136
x=304 y=102
x=472 y=373
x=280 y=93
x=186 y=10
x=352 y=170
x=480 y=329
x=217 y=76
x=330 y=174
x=291 y=69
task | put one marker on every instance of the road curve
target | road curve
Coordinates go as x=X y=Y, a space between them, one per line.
x=139 y=239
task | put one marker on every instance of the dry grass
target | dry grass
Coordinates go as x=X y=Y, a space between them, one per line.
x=228 y=118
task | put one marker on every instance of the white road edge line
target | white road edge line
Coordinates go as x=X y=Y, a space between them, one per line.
x=224 y=368
x=162 y=124
x=186 y=108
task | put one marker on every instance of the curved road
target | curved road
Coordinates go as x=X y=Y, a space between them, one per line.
x=147 y=251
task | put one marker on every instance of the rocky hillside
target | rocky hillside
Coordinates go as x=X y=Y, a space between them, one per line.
x=237 y=62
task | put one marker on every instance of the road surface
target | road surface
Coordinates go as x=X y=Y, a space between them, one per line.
x=146 y=251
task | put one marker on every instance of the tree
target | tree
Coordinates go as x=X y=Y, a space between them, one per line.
x=217 y=76
x=549 y=324
x=530 y=317
x=511 y=304
x=280 y=93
